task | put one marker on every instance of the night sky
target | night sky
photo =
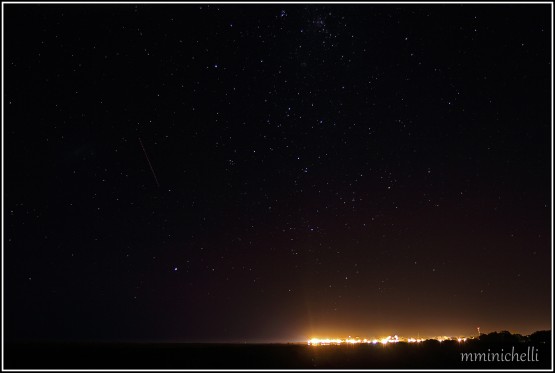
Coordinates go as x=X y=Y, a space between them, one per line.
x=276 y=172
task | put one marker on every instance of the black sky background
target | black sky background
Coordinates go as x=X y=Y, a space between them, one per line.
x=324 y=170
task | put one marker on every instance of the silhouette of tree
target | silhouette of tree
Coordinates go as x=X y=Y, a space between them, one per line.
x=541 y=336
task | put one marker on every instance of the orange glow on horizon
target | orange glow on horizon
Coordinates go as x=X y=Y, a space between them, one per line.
x=382 y=340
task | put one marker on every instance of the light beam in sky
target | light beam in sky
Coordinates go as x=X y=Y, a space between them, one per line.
x=149 y=164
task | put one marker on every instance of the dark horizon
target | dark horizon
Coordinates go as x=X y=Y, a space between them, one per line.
x=531 y=352
x=139 y=341
x=276 y=172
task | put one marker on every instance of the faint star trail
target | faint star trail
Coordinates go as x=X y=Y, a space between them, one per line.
x=149 y=164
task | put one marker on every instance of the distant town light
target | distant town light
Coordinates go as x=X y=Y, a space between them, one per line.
x=383 y=340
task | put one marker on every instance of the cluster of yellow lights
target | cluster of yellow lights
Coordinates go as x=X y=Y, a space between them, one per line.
x=386 y=340
x=338 y=341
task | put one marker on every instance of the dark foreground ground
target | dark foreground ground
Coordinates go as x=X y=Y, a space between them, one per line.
x=430 y=354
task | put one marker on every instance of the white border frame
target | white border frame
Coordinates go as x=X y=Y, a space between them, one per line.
x=288 y=3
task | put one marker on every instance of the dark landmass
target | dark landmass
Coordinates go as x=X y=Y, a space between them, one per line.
x=430 y=354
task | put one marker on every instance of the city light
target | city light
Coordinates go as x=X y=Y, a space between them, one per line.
x=382 y=340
